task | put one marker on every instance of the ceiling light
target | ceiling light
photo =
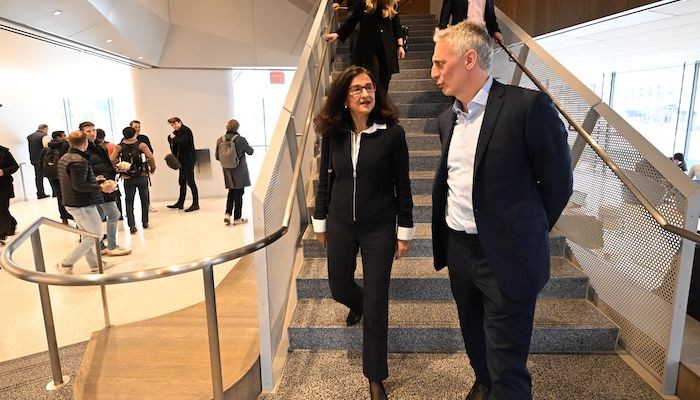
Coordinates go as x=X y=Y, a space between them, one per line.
x=108 y=40
x=57 y=12
x=141 y=58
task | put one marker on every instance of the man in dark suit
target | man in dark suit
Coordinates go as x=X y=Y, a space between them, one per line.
x=503 y=180
x=182 y=145
x=37 y=141
x=481 y=11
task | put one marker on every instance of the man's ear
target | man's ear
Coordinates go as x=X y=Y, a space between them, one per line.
x=469 y=59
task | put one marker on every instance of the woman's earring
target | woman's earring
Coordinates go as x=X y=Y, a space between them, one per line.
x=345 y=106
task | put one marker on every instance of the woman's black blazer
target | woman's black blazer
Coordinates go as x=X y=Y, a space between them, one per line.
x=381 y=190
x=374 y=29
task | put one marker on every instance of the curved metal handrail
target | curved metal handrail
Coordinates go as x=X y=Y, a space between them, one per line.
x=45 y=278
x=643 y=200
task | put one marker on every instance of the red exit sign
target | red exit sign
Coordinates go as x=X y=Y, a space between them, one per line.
x=277 y=77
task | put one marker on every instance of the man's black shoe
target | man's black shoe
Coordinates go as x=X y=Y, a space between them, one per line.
x=176 y=205
x=478 y=392
x=193 y=207
x=42 y=196
x=353 y=318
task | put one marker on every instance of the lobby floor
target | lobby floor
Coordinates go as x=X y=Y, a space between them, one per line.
x=173 y=237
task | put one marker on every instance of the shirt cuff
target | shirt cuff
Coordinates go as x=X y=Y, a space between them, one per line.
x=404 y=233
x=319 y=225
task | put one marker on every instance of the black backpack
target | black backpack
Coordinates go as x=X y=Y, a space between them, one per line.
x=133 y=155
x=50 y=162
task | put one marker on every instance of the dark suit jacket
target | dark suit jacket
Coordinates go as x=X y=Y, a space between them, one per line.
x=9 y=166
x=375 y=31
x=182 y=146
x=522 y=182
x=458 y=10
x=380 y=190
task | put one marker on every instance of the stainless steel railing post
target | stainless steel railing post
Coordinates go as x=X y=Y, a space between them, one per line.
x=213 y=329
x=59 y=380
x=103 y=289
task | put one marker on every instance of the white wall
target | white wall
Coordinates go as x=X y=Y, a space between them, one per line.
x=203 y=99
x=35 y=77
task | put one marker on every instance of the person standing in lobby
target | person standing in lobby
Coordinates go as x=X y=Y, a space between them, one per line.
x=503 y=180
x=81 y=194
x=8 y=166
x=37 y=141
x=50 y=156
x=363 y=203
x=480 y=11
x=236 y=178
x=181 y=142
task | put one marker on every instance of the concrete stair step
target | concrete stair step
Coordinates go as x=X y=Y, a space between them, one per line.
x=421 y=245
x=417 y=46
x=337 y=375
x=422 y=110
x=414 y=97
x=561 y=326
x=426 y=55
x=403 y=85
x=411 y=125
x=411 y=63
x=416 y=279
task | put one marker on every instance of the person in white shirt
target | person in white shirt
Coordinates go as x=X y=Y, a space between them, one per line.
x=503 y=180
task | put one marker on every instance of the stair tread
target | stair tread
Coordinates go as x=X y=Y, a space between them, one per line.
x=337 y=375
x=422 y=268
x=429 y=314
x=423 y=231
x=421 y=174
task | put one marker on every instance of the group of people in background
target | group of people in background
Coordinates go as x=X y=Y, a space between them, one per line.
x=83 y=169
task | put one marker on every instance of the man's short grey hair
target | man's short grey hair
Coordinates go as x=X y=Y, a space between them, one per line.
x=465 y=36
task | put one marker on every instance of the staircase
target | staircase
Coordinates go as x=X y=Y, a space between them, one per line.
x=427 y=359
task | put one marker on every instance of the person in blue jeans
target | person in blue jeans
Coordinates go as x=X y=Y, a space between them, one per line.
x=81 y=193
x=141 y=164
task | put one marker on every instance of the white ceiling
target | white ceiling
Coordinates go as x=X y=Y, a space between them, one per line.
x=666 y=33
x=175 y=33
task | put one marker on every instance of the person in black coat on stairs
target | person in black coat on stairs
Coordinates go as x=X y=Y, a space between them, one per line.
x=363 y=190
x=379 y=44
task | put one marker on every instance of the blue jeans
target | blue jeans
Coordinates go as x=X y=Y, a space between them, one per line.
x=87 y=219
x=112 y=213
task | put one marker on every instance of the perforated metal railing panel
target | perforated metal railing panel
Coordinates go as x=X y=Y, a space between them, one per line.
x=631 y=261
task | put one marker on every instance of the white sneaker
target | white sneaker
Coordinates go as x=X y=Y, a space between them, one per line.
x=105 y=266
x=240 y=221
x=117 y=252
x=227 y=219
x=66 y=269
x=151 y=209
x=104 y=251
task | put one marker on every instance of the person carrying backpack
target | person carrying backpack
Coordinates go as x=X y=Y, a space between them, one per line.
x=230 y=152
x=135 y=162
x=56 y=148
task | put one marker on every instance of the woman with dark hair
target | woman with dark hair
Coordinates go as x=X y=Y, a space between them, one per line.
x=379 y=43
x=8 y=166
x=363 y=191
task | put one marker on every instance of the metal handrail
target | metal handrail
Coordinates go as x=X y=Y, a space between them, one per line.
x=205 y=264
x=643 y=200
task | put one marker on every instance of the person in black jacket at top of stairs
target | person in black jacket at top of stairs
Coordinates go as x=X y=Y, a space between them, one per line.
x=479 y=11
x=181 y=142
x=53 y=152
x=363 y=190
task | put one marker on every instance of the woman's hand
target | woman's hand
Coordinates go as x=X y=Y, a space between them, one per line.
x=402 y=247
x=321 y=237
x=401 y=53
x=330 y=37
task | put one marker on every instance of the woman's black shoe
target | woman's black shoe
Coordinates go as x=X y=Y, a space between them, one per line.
x=176 y=205
x=376 y=391
x=353 y=318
